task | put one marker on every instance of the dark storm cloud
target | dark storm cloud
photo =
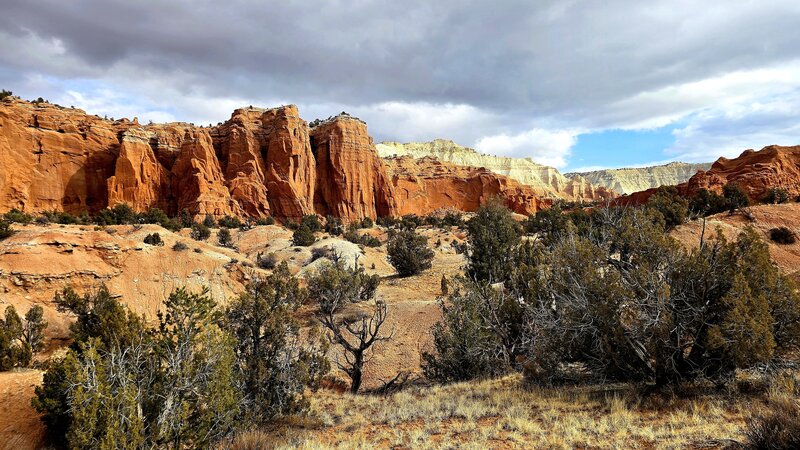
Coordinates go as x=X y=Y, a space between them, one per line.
x=544 y=57
x=567 y=64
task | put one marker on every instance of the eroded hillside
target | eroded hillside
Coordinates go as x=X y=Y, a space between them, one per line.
x=545 y=181
x=634 y=179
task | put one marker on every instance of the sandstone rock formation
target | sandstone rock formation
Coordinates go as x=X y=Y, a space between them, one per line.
x=424 y=185
x=634 y=179
x=544 y=180
x=756 y=172
x=260 y=162
x=351 y=179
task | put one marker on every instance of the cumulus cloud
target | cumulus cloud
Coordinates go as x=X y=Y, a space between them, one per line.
x=544 y=146
x=472 y=70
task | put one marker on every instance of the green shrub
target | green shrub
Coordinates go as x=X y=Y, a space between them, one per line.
x=5 y=230
x=209 y=221
x=671 y=205
x=180 y=246
x=275 y=364
x=734 y=308
x=268 y=261
x=735 y=197
x=467 y=340
x=550 y=224
x=409 y=253
x=153 y=239
x=706 y=203
x=335 y=284
x=224 y=237
x=367 y=223
x=776 y=195
x=782 y=235
x=230 y=222
x=200 y=232
x=365 y=239
x=121 y=214
x=4 y=93
x=266 y=221
x=61 y=217
x=410 y=222
x=20 y=339
x=333 y=226
x=154 y=215
x=312 y=222
x=185 y=219
x=17 y=216
x=303 y=236
x=135 y=391
x=493 y=236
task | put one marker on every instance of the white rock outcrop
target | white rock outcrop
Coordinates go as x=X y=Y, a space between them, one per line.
x=635 y=179
x=545 y=180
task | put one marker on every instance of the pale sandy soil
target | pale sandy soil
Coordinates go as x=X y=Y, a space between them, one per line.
x=20 y=427
x=765 y=217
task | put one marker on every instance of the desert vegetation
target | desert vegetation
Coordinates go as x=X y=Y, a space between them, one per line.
x=575 y=327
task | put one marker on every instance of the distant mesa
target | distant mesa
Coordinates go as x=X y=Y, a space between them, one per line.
x=545 y=181
x=634 y=179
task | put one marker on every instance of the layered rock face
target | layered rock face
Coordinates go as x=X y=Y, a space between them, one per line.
x=424 y=185
x=629 y=180
x=351 y=179
x=52 y=159
x=261 y=162
x=545 y=181
x=756 y=172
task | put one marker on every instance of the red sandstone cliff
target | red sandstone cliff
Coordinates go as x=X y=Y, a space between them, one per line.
x=756 y=172
x=424 y=185
x=258 y=163
x=351 y=178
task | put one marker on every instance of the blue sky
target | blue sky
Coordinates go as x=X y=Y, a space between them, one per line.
x=572 y=84
x=620 y=148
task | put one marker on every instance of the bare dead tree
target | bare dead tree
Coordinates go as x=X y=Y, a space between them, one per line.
x=355 y=335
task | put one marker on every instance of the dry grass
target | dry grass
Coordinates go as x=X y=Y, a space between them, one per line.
x=502 y=414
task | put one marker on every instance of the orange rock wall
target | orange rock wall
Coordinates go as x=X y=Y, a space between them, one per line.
x=424 y=185
x=756 y=172
x=351 y=178
x=259 y=163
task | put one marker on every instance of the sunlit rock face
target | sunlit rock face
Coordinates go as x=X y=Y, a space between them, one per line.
x=545 y=181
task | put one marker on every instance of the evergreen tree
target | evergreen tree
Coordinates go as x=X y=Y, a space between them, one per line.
x=274 y=362
x=409 y=253
x=493 y=236
x=303 y=236
x=224 y=238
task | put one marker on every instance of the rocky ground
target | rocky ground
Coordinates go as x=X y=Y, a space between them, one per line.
x=39 y=260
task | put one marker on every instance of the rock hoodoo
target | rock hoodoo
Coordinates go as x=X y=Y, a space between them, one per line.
x=351 y=179
x=259 y=163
